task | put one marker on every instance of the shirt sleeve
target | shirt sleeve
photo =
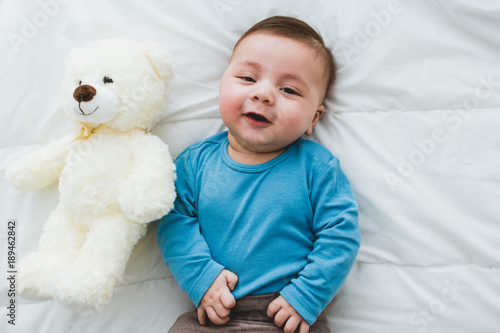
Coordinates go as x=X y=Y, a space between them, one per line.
x=181 y=243
x=337 y=242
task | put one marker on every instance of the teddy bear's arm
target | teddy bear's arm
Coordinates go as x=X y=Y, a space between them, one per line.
x=148 y=193
x=41 y=167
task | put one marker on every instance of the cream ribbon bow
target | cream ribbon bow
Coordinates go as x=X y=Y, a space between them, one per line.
x=86 y=132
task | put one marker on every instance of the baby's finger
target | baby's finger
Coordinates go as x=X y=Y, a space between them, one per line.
x=215 y=318
x=273 y=308
x=222 y=311
x=227 y=299
x=231 y=279
x=281 y=318
x=202 y=316
x=304 y=327
x=291 y=324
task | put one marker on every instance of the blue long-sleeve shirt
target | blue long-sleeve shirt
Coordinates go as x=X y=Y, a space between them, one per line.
x=288 y=225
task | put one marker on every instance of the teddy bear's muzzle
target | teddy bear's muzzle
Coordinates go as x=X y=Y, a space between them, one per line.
x=94 y=103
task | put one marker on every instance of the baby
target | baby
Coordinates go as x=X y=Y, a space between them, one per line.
x=264 y=230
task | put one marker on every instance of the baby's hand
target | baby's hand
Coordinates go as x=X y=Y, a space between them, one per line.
x=283 y=313
x=218 y=300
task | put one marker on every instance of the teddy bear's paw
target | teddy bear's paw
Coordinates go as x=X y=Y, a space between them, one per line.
x=81 y=298
x=79 y=304
x=35 y=277
x=33 y=293
x=18 y=175
x=142 y=209
x=83 y=290
x=29 y=287
x=37 y=169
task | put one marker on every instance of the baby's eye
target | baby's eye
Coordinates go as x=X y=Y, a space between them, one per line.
x=246 y=78
x=289 y=91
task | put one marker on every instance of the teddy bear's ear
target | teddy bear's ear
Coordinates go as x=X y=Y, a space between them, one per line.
x=160 y=60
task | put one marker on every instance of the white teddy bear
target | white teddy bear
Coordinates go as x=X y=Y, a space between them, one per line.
x=114 y=176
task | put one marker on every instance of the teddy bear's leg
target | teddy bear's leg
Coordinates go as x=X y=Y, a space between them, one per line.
x=58 y=246
x=89 y=281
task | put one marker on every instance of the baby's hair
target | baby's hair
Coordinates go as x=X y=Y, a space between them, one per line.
x=298 y=30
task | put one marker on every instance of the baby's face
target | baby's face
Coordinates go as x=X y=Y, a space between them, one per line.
x=271 y=93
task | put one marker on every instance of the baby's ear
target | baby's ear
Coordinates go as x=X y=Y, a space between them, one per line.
x=317 y=115
x=320 y=111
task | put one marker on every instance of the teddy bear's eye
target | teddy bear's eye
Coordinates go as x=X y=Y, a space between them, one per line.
x=80 y=82
x=107 y=79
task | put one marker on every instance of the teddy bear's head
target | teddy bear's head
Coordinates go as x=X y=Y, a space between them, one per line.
x=116 y=82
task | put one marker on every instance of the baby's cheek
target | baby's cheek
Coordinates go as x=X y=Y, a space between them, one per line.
x=229 y=104
x=293 y=121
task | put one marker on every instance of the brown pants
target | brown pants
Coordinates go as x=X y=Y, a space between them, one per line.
x=249 y=315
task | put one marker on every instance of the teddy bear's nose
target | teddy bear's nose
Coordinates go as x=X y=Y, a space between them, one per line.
x=84 y=93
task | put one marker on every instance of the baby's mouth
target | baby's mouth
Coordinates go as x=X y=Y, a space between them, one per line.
x=257 y=117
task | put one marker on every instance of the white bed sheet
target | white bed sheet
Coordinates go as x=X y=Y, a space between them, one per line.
x=414 y=122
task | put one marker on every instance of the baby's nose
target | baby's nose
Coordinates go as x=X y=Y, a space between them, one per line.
x=264 y=94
